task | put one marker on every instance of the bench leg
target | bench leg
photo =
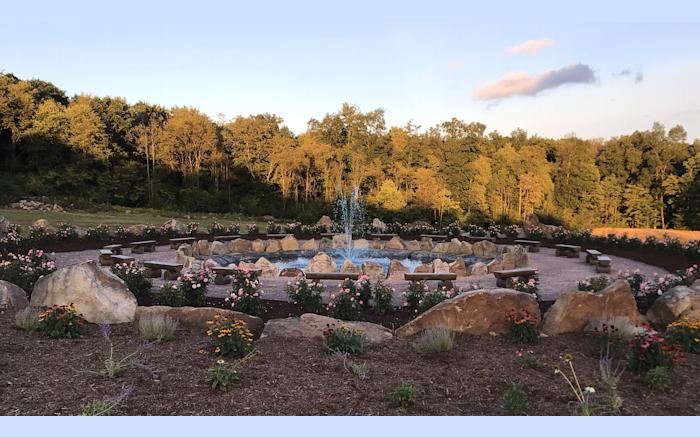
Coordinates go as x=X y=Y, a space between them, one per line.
x=170 y=275
x=150 y=248
x=220 y=279
x=137 y=250
x=107 y=262
x=603 y=269
x=572 y=254
x=533 y=249
x=558 y=252
x=173 y=245
x=154 y=273
x=501 y=283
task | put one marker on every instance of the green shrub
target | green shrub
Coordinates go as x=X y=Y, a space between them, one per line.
x=594 y=284
x=404 y=395
x=415 y=293
x=649 y=350
x=106 y=406
x=686 y=333
x=193 y=286
x=171 y=296
x=515 y=401
x=306 y=294
x=157 y=327
x=434 y=341
x=608 y=400
x=527 y=359
x=246 y=295
x=382 y=298
x=230 y=338
x=344 y=340
x=27 y=319
x=363 y=290
x=658 y=378
x=434 y=297
x=135 y=278
x=344 y=304
x=61 y=322
x=522 y=327
x=221 y=376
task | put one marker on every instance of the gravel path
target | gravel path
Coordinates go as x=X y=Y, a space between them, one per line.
x=556 y=274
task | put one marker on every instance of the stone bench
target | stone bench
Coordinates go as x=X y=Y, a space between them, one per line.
x=592 y=256
x=222 y=275
x=143 y=246
x=567 y=250
x=176 y=242
x=278 y=236
x=434 y=237
x=382 y=236
x=116 y=249
x=507 y=278
x=335 y=276
x=122 y=259
x=105 y=258
x=226 y=237
x=472 y=239
x=446 y=278
x=604 y=264
x=170 y=271
x=532 y=245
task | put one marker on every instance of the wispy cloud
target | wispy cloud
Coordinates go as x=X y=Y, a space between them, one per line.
x=524 y=84
x=530 y=47
x=638 y=76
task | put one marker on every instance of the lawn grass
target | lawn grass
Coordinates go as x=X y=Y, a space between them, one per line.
x=641 y=233
x=126 y=216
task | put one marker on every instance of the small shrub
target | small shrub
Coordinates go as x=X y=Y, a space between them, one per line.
x=246 y=295
x=594 y=284
x=649 y=349
x=530 y=286
x=61 y=322
x=658 y=378
x=66 y=232
x=27 y=319
x=233 y=229
x=344 y=304
x=434 y=297
x=221 y=376
x=522 y=327
x=230 y=338
x=364 y=287
x=306 y=294
x=344 y=340
x=515 y=400
x=404 y=395
x=171 y=296
x=686 y=333
x=252 y=229
x=135 y=278
x=193 y=286
x=415 y=293
x=24 y=270
x=434 y=341
x=609 y=401
x=98 y=233
x=192 y=228
x=106 y=406
x=216 y=228
x=157 y=327
x=527 y=359
x=361 y=370
x=114 y=366
x=382 y=298
x=273 y=228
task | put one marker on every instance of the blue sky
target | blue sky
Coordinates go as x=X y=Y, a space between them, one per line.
x=600 y=70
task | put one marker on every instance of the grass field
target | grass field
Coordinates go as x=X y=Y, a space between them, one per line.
x=644 y=233
x=124 y=216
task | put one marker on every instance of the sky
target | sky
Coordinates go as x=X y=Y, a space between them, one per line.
x=592 y=69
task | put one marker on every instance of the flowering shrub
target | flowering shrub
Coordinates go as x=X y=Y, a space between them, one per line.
x=535 y=233
x=434 y=297
x=150 y=232
x=306 y=294
x=649 y=349
x=530 y=286
x=122 y=233
x=98 y=233
x=10 y=241
x=230 y=338
x=526 y=359
x=273 y=228
x=194 y=286
x=686 y=333
x=510 y=231
x=634 y=278
x=61 y=322
x=252 y=229
x=364 y=288
x=382 y=298
x=66 y=232
x=134 y=275
x=345 y=304
x=38 y=235
x=452 y=230
x=292 y=228
x=172 y=296
x=414 y=295
x=233 y=229
x=476 y=231
x=522 y=327
x=24 y=270
x=216 y=228
x=594 y=284
x=167 y=230
x=344 y=340
x=246 y=295
x=493 y=231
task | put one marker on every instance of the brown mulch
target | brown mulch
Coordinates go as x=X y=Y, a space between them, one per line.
x=42 y=376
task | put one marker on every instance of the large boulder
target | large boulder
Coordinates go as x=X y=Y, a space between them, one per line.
x=313 y=326
x=197 y=317
x=377 y=244
x=459 y=267
x=441 y=248
x=574 y=310
x=12 y=297
x=289 y=243
x=185 y=249
x=258 y=246
x=325 y=243
x=350 y=267
x=326 y=222
x=531 y=221
x=179 y=227
x=440 y=266
x=676 y=303
x=136 y=230
x=478 y=269
x=466 y=248
x=474 y=312
x=360 y=243
x=378 y=225
x=42 y=223
x=423 y=268
x=396 y=270
x=412 y=245
x=395 y=244
x=210 y=264
x=202 y=248
x=239 y=245
x=218 y=248
x=426 y=244
x=339 y=241
x=321 y=262
x=273 y=246
x=268 y=269
x=291 y=272
x=98 y=295
x=485 y=248
x=503 y=261
x=454 y=246
x=310 y=245
x=374 y=270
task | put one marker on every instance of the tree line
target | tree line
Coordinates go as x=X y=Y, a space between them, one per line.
x=90 y=150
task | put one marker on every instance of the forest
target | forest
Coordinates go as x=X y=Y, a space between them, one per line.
x=89 y=151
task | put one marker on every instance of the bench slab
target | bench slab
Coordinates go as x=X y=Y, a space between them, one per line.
x=122 y=259
x=339 y=276
x=226 y=237
x=532 y=245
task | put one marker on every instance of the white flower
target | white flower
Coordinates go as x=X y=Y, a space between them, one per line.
x=589 y=389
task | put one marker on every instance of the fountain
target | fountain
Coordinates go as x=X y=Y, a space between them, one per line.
x=348 y=212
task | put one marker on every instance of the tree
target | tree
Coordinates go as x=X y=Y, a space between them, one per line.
x=389 y=197
x=86 y=132
x=188 y=140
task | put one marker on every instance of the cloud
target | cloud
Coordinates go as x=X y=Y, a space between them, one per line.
x=530 y=47
x=523 y=84
x=638 y=76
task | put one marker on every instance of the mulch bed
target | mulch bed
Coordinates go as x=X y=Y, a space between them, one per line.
x=42 y=376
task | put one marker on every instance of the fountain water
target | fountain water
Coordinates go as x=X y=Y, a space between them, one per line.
x=348 y=212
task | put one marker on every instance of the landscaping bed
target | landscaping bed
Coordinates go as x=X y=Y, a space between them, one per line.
x=42 y=376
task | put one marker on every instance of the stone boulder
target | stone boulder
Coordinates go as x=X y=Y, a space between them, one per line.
x=310 y=245
x=458 y=267
x=179 y=227
x=574 y=310
x=454 y=246
x=42 y=223
x=531 y=221
x=396 y=270
x=378 y=225
x=321 y=262
x=313 y=325
x=360 y=243
x=676 y=303
x=136 y=230
x=245 y=265
x=268 y=269
x=441 y=248
x=185 y=249
x=350 y=267
x=412 y=245
x=98 y=295
x=503 y=261
x=485 y=249
x=325 y=243
x=326 y=222
x=423 y=268
x=202 y=248
x=339 y=241
x=695 y=285
x=290 y=272
x=377 y=244
x=273 y=246
x=478 y=269
x=12 y=297
x=440 y=266
x=395 y=244
x=210 y=264
x=426 y=244
x=374 y=270
x=289 y=243
x=474 y=312
x=258 y=246
x=197 y=317
x=239 y=245
x=4 y=225
x=466 y=248
x=218 y=248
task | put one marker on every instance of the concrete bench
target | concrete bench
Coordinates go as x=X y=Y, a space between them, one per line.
x=434 y=237
x=335 y=276
x=567 y=250
x=477 y=239
x=122 y=259
x=116 y=249
x=222 y=275
x=507 y=278
x=446 y=278
x=176 y=242
x=382 y=236
x=278 y=236
x=592 y=256
x=604 y=264
x=143 y=246
x=170 y=271
x=226 y=237
x=532 y=245
x=106 y=257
